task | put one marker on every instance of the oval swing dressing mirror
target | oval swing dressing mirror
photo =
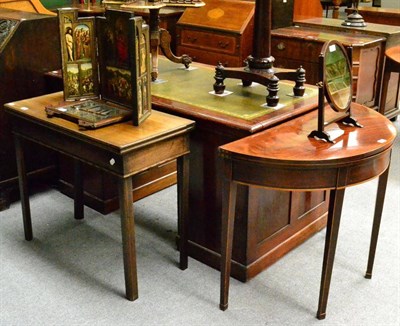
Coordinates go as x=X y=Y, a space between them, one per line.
x=336 y=86
x=337 y=76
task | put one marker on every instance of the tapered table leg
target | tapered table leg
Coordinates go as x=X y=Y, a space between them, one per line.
x=78 y=190
x=23 y=188
x=380 y=198
x=332 y=230
x=183 y=209
x=229 y=191
x=128 y=237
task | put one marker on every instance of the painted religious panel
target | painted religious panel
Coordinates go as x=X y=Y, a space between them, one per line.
x=124 y=62
x=78 y=53
x=105 y=60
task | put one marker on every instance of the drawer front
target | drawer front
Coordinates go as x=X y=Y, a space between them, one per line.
x=295 y=49
x=221 y=43
x=211 y=58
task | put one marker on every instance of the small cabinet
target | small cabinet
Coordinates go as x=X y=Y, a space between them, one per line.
x=221 y=31
x=390 y=33
x=295 y=46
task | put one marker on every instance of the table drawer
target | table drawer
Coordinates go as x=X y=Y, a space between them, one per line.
x=296 y=49
x=222 y=43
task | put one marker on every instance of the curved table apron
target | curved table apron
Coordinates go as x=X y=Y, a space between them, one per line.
x=285 y=158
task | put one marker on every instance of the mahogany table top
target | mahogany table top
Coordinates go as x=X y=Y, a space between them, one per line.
x=284 y=157
x=120 y=137
x=289 y=143
x=394 y=54
x=336 y=24
x=318 y=35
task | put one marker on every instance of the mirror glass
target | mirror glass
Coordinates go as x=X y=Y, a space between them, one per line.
x=338 y=79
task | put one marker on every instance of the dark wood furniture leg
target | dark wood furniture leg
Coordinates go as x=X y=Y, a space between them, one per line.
x=128 y=237
x=78 y=190
x=332 y=230
x=23 y=188
x=183 y=209
x=229 y=191
x=380 y=198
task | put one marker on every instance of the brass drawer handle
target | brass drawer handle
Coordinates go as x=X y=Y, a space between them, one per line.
x=223 y=44
x=281 y=46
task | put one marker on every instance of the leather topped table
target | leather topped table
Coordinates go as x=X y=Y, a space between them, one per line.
x=272 y=222
x=285 y=158
x=122 y=150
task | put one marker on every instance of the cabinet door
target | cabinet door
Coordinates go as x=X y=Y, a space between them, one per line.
x=368 y=61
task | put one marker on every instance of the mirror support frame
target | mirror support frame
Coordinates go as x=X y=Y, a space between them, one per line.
x=320 y=133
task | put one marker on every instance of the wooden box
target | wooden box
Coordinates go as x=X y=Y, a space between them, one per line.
x=29 y=47
x=295 y=46
x=222 y=31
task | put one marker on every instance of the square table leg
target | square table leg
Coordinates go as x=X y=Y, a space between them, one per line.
x=78 y=190
x=332 y=231
x=128 y=237
x=183 y=209
x=23 y=188
x=380 y=198
x=229 y=192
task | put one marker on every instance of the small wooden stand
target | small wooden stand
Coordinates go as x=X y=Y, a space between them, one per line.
x=260 y=65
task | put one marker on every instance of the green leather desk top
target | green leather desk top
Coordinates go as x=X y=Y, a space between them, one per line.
x=192 y=87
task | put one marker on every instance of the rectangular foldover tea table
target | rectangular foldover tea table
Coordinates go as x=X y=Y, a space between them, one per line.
x=121 y=149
